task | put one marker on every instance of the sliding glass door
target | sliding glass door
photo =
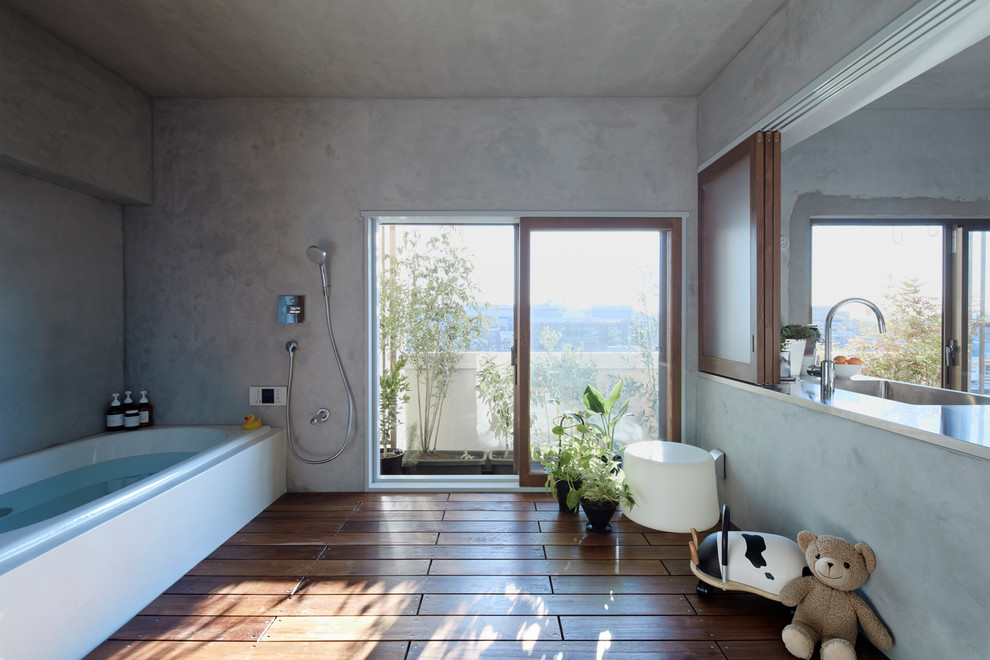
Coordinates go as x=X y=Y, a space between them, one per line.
x=599 y=305
x=487 y=332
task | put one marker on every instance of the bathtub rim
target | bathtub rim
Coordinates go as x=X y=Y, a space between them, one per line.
x=20 y=546
x=19 y=471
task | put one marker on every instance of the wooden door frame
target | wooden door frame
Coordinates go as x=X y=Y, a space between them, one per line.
x=674 y=246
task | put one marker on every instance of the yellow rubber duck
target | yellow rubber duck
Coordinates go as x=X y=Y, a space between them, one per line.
x=251 y=422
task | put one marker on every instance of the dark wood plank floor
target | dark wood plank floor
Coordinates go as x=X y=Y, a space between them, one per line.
x=446 y=575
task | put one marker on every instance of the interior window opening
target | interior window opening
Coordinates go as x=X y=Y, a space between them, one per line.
x=929 y=279
x=899 y=268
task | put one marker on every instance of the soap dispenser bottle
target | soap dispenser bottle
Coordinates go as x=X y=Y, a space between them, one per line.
x=132 y=418
x=115 y=414
x=145 y=410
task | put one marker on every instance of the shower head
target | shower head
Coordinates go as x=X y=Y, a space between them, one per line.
x=316 y=254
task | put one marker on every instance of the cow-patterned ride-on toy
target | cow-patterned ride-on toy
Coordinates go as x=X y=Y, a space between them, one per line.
x=754 y=562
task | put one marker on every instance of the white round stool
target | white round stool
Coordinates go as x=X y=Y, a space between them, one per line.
x=673 y=485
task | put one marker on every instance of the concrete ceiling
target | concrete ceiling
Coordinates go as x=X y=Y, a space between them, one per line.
x=407 y=48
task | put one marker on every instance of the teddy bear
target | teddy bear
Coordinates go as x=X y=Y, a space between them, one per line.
x=827 y=609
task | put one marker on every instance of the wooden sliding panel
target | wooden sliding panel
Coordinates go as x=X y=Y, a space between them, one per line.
x=739 y=262
x=589 y=259
x=768 y=237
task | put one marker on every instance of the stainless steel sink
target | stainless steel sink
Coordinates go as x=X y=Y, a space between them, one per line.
x=918 y=395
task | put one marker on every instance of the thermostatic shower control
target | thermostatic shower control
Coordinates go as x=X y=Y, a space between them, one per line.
x=266 y=396
x=291 y=309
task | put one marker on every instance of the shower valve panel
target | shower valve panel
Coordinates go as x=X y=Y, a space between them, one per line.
x=291 y=309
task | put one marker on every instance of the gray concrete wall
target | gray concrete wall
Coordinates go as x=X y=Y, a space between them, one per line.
x=799 y=43
x=919 y=506
x=61 y=313
x=68 y=120
x=792 y=468
x=880 y=162
x=242 y=187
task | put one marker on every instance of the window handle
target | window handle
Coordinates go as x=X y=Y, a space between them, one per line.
x=951 y=352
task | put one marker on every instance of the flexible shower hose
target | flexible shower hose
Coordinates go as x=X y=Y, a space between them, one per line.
x=291 y=348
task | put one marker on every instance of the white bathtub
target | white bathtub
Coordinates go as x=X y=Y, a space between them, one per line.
x=67 y=583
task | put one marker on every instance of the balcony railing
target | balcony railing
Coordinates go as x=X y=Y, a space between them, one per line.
x=466 y=424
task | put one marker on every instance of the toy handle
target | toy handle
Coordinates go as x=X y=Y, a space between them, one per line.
x=725 y=543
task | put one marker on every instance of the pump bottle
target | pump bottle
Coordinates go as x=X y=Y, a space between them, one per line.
x=115 y=414
x=146 y=410
x=132 y=418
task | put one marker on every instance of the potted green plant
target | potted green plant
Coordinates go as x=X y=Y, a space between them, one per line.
x=560 y=461
x=793 y=339
x=603 y=482
x=603 y=415
x=583 y=467
x=603 y=489
x=393 y=387
x=495 y=384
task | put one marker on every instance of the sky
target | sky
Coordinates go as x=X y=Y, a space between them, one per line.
x=574 y=269
x=863 y=261
x=582 y=269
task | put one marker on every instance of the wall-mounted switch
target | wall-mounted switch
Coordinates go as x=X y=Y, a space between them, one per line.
x=719 y=457
x=266 y=396
x=291 y=309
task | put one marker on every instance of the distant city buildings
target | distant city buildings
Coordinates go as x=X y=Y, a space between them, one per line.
x=844 y=327
x=600 y=328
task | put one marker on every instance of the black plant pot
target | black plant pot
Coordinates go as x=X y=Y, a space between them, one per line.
x=391 y=464
x=563 y=488
x=599 y=513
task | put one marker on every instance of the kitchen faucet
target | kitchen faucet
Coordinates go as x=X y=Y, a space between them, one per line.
x=827 y=368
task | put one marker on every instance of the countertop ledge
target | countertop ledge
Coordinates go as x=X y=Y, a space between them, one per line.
x=962 y=429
